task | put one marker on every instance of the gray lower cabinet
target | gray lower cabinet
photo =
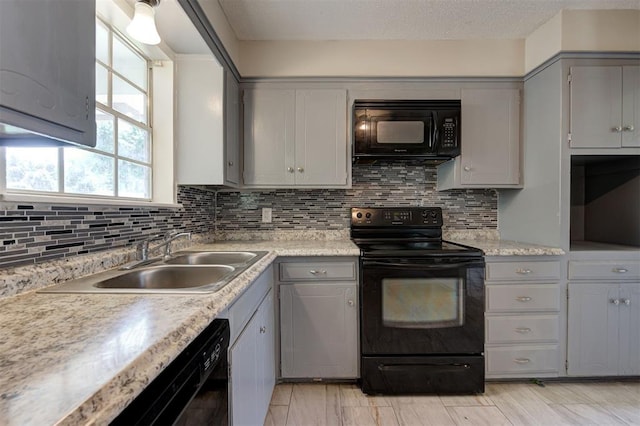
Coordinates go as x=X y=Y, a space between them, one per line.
x=522 y=324
x=252 y=353
x=603 y=318
x=319 y=319
x=47 y=68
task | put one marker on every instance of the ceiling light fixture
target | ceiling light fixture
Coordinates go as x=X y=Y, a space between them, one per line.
x=143 y=24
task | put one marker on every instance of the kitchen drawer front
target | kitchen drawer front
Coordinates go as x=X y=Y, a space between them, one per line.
x=309 y=271
x=523 y=298
x=520 y=271
x=608 y=270
x=522 y=359
x=522 y=329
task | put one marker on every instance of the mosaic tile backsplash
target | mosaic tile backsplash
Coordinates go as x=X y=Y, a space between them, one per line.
x=374 y=185
x=35 y=233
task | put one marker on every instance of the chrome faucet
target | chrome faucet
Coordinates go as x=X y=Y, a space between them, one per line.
x=143 y=249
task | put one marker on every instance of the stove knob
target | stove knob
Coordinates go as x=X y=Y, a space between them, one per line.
x=425 y=213
x=359 y=215
x=433 y=214
x=368 y=215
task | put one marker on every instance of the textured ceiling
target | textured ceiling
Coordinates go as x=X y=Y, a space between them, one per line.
x=398 y=19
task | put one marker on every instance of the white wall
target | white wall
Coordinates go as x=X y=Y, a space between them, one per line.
x=381 y=58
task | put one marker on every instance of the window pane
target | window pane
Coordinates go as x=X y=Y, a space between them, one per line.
x=133 y=142
x=32 y=168
x=133 y=180
x=86 y=172
x=102 y=84
x=105 y=138
x=129 y=100
x=129 y=64
x=102 y=43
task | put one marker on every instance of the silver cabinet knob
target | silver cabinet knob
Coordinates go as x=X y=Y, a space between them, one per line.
x=523 y=271
x=467 y=168
x=626 y=302
x=350 y=303
x=616 y=129
x=263 y=329
x=523 y=330
x=615 y=301
x=523 y=299
x=628 y=128
x=230 y=163
x=290 y=169
x=522 y=360
x=300 y=169
x=620 y=270
x=317 y=272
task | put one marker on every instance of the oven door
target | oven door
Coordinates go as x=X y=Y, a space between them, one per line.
x=422 y=306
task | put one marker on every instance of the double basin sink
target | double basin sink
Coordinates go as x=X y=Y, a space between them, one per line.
x=184 y=272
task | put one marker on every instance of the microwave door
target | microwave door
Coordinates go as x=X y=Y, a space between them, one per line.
x=402 y=132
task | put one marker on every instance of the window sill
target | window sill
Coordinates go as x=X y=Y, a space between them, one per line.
x=48 y=199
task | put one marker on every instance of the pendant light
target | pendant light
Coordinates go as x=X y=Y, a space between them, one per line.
x=143 y=24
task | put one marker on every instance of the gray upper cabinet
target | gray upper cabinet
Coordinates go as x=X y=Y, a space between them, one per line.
x=201 y=146
x=605 y=107
x=47 y=68
x=232 y=130
x=490 y=136
x=295 y=138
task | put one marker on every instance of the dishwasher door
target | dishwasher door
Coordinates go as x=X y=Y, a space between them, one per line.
x=192 y=390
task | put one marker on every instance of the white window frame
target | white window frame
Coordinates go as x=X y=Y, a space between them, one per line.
x=161 y=104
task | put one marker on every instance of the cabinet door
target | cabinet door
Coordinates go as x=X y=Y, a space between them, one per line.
x=265 y=345
x=630 y=106
x=269 y=154
x=232 y=130
x=593 y=330
x=629 y=309
x=596 y=107
x=243 y=381
x=321 y=137
x=490 y=137
x=319 y=333
x=47 y=71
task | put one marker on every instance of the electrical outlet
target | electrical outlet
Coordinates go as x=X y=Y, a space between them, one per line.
x=266 y=215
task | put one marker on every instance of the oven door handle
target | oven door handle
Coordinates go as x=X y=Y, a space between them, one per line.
x=429 y=266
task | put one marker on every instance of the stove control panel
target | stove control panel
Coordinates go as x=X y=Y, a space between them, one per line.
x=397 y=216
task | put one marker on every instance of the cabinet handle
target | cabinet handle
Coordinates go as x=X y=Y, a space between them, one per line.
x=523 y=330
x=290 y=169
x=523 y=271
x=620 y=270
x=522 y=360
x=315 y=272
x=616 y=129
x=300 y=169
x=263 y=329
x=626 y=302
x=230 y=163
x=350 y=303
x=628 y=128
x=523 y=299
x=615 y=301
x=467 y=168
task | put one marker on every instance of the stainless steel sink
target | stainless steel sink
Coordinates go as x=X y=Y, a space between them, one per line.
x=232 y=258
x=168 y=277
x=186 y=273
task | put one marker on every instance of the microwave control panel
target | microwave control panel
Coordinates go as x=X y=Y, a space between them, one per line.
x=449 y=133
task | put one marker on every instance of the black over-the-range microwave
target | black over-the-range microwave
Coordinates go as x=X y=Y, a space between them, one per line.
x=405 y=129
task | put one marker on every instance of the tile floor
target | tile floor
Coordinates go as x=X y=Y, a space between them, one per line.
x=583 y=403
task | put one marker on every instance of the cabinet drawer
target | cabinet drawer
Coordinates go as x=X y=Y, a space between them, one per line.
x=510 y=271
x=317 y=271
x=522 y=329
x=589 y=270
x=522 y=359
x=523 y=298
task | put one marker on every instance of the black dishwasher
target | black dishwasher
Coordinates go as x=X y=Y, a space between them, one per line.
x=192 y=390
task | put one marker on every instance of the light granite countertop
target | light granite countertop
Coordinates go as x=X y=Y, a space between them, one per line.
x=76 y=359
